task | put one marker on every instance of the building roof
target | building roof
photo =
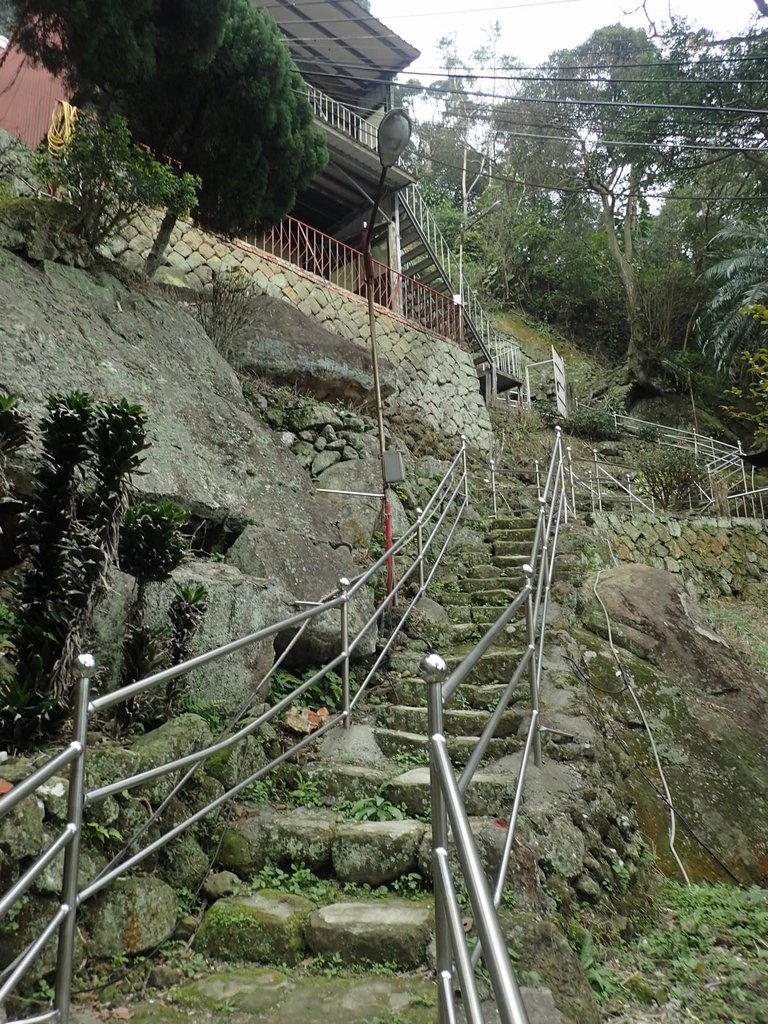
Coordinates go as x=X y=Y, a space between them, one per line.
x=342 y=49
x=28 y=97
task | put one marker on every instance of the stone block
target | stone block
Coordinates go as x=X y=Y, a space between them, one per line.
x=376 y=852
x=267 y=927
x=384 y=930
x=131 y=915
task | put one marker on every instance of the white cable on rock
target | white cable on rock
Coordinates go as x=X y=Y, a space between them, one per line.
x=672 y=820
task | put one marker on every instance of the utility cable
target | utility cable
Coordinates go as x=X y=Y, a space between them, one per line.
x=672 y=820
x=639 y=768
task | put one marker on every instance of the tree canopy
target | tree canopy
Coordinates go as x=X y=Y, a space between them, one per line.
x=208 y=83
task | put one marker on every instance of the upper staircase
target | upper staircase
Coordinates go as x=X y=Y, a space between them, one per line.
x=426 y=256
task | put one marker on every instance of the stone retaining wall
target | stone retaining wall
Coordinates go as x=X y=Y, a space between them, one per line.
x=713 y=554
x=435 y=379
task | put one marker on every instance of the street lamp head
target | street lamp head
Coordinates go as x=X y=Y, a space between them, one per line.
x=394 y=136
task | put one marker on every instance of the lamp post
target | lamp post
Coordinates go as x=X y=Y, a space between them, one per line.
x=393 y=136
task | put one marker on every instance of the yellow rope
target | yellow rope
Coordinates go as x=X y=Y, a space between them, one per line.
x=62 y=127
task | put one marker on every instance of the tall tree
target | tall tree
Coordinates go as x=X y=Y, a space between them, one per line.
x=587 y=137
x=209 y=83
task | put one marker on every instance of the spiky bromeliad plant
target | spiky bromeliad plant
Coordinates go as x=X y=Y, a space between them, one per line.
x=69 y=539
x=151 y=547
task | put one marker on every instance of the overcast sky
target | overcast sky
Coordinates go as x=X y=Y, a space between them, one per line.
x=531 y=29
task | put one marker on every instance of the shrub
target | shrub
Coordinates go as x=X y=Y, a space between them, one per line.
x=108 y=179
x=670 y=476
x=591 y=425
x=68 y=542
x=223 y=309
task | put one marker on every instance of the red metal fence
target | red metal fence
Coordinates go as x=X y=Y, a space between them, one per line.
x=402 y=296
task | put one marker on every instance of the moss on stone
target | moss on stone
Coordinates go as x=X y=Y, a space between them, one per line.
x=266 y=928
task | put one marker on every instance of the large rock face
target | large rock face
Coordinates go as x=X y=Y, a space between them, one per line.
x=280 y=343
x=62 y=329
x=706 y=710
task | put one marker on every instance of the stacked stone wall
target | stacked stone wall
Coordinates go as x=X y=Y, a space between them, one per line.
x=435 y=379
x=714 y=555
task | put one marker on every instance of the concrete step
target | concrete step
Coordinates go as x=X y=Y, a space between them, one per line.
x=487 y=793
x=460 y=748
x=457 y=722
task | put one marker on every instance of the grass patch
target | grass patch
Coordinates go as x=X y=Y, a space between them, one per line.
x=743 y=622
x=707 y=952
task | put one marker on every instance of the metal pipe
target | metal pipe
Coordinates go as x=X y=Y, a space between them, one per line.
x=96 y=795
x=433 y=670
x=461 y=672
x=75 y=802
x=493 y=488
x=344 y=585
x=30 y=954
x=420 y=546
x=508 y=1000
x=104 y=880
x=492 y=724
x=32 y=873
x=38 y=778
x=100 y=703
x=533 y=681
x=469 y=995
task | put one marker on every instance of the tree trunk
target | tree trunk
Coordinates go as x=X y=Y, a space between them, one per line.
x=641 y=360
x=160 y=244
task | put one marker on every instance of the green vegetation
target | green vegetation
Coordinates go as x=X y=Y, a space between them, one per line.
x=707 y=952
x=70 y=529
x=214 y=77
x=107 y=179
x=743 y=622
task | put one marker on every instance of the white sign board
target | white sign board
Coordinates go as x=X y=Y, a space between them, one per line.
x=560 y=393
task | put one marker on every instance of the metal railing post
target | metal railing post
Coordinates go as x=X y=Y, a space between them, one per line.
x=75 y=800
x=570 y=476
x=433 y=669
x=464 y=467
x=597 y=480
x=629 y=492
x=420 y=546
x=591 y=491
x=531 y=629
x=538 y=478
x=344 y=610
x=493 y=488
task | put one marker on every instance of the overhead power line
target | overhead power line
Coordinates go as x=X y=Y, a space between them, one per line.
x=569 y=102
x=507 y=179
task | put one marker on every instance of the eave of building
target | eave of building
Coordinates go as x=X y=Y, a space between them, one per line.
x=342 y=49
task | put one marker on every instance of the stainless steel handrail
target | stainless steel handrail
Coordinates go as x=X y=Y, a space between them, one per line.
x=424 y=544
x=447 y=793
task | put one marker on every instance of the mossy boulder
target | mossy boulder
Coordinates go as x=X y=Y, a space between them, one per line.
x=129 y=916
x=543 y=957
x=268 y=927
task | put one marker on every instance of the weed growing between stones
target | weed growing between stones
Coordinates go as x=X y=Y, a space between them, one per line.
x=301 y=881
x=707 y=952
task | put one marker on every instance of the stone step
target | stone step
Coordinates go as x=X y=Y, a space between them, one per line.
x=412 y=691
x=512 y=636
x=458 y=722
x=270 y=995
x=495 y=595
x=513 y=547
x=514 y=523
x=460 y=748
x=505 y=579
x=277 y=927
x=495 y=666
x=485 y=571
x=487 y=794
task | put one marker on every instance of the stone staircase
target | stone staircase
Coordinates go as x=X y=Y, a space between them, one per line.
x=362 y=921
